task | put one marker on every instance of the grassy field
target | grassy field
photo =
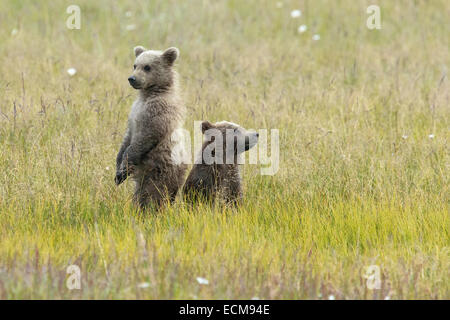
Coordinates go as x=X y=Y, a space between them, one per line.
x=363 y=117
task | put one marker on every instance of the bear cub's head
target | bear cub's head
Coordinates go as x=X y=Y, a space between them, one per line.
x=153 y=69
x=226 y=141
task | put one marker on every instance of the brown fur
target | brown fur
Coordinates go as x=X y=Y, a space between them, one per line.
x=146 y=151
x=209 y=181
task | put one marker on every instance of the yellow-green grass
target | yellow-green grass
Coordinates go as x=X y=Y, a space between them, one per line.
x=360 y=181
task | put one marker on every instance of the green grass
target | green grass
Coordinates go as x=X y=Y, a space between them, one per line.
x=350 y=192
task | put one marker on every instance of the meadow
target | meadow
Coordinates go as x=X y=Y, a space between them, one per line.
x=363 y=118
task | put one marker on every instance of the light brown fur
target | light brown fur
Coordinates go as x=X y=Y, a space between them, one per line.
x=146 y=151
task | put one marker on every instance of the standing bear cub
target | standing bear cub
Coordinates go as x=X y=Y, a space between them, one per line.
x=146 y=151
x=216 y=173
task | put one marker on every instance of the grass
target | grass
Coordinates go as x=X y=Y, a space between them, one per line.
x=352 y=190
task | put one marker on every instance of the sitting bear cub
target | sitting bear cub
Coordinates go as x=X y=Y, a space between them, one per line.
x=218 y=174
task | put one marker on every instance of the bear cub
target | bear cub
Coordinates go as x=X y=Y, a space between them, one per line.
x=156 y=114
x=217 y=174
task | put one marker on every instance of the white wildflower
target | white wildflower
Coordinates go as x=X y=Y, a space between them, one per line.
x=71 y=71
x=255 y=298
x=296 y=13
x=144 y=285
x=387 y=298
x=107 y=168
x=404 y=137
x=331 y=297
x=302 y=28
x=201 y=280
x=14 y=31
x=316 y=37
x=431 y=136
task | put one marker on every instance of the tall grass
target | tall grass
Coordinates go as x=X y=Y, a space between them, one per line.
x=361 y=182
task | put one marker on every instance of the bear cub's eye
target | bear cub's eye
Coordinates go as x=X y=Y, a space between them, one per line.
x=147 y=68
x=134 y=67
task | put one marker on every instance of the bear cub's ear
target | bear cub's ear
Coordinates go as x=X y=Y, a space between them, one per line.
x=138 y=50
x=206 y=125
x=170 y=55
